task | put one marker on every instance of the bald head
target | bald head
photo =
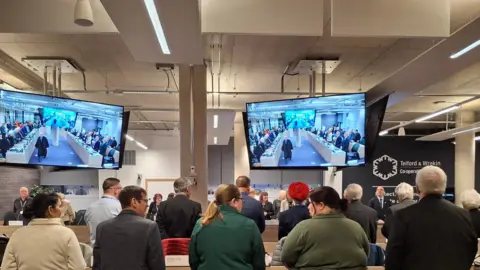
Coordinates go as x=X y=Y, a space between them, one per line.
x=23 y=193
x=431 y=180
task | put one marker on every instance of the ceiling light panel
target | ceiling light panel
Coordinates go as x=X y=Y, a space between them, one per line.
x=157 y=25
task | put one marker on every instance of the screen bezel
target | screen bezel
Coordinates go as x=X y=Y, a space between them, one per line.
x=66 y=166
x=322 y=168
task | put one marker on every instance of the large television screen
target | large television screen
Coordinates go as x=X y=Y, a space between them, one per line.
x=52 y=131
x=307 y=133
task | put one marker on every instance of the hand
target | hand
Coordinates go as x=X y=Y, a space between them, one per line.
x=381 y=222
x=264 y=213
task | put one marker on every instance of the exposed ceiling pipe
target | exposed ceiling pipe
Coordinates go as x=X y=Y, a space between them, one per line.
x=282 y=83
x=161 y=92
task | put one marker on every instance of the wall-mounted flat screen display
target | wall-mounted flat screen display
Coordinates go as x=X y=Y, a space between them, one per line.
x=52 y=131
x=307 y=133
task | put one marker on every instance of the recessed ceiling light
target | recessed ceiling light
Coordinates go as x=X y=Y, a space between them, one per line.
x=215 y=121
x=157 y=25
x=465 y=50
x=214 y=140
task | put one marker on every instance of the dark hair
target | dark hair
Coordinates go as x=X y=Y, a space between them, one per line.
x=242 y=181
x=157 y=195
x=109 y=183
x=40 y=204
x=131 y=192
x=170 y=196
x=329 y=197
x=262 y=194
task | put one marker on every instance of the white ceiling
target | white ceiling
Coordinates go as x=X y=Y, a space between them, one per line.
x=252 y=64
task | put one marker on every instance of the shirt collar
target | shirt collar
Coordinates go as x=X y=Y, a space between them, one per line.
x=331 y=215
x=108 y=197
x=227 y=208
x=45 y=221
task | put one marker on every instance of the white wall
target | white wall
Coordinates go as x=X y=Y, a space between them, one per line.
x=161 y=160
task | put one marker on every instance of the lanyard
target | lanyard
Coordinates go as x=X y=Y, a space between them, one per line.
x=22 y=205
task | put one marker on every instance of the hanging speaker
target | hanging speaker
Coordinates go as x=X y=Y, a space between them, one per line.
x=83 y=13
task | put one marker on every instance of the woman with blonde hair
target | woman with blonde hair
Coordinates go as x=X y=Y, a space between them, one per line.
x=68 y=215
x=225 y=239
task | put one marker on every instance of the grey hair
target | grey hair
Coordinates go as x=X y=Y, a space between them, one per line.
x=354 y=192
x=470 y=199
x=431 y=180
x=404 y=191
x=181 y=185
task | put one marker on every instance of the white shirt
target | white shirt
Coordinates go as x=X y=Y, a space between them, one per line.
x=104 y=209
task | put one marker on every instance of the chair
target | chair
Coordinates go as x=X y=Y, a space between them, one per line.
x=377 y=256
x=87 y=252
x=175 y=246
x=80 y=218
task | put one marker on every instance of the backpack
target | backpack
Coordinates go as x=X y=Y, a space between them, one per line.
x=3 y=245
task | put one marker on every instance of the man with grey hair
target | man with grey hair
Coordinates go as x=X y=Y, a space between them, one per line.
x=471 y=202
x=404 y=193
x=362 y=214
x=176 y=218
x=433 y=233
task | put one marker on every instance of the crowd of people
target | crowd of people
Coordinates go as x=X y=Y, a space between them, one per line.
x=102 y=143
x=262 y=140
x=13 y=133
x=318 y=229
x=338 y=136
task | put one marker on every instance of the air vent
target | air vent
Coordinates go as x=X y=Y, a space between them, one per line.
x=130 y=157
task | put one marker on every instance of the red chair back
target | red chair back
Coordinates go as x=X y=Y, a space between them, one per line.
x=176 y=246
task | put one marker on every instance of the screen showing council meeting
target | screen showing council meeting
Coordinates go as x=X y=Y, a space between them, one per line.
x=310 y=132
x=51 y=131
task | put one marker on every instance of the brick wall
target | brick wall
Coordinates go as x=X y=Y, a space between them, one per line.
x=11 y=180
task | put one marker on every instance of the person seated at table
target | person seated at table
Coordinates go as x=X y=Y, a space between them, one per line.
x=96 y=143
x=42 y=146
x=11 y=138
x=103 y=147
x=113 y=143
x=328 y=240
x=339 y=140
x=288 y=219
x=345 y=142
x=225 y=239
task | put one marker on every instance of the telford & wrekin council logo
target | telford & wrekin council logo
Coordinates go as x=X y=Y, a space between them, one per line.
x=385 y=167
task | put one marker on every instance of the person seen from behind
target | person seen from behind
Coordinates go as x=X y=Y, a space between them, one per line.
x=68 y=215
x=433 y=233
x=252 y=208
x=225 y=239
x=357 y=211
x=287 y=220
x=327 y=241
x=405 y=194
x=45 y=243
x=129 y=241
x=470 y=200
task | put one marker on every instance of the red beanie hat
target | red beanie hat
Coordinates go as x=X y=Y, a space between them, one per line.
x=298 y=191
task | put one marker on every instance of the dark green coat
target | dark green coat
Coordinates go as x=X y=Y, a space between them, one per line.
x=234 y=243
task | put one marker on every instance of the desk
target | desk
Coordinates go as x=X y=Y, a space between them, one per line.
x=24 y=156
x=91 y=160
x=329 y=152
x=272 y=155
x=361 y=149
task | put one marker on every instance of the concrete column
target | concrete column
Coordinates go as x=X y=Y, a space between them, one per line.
x=240 y=150
x=199 y=90
x=334 y=180
x=464 y=156
x=185 y=97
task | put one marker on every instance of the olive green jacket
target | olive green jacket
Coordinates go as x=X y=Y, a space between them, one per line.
x=329 y=241
x=234 y=243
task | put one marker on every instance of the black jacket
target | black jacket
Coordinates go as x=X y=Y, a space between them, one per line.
x=287 y=220
x=152 y=210
x=431 y=234
x=268 y=209
x=389 y=216
x=19 y=205
x=366 y=217
x=176 y=218
x=375 y=204
x=475 y=216
x=128 y=241
x=253 y=209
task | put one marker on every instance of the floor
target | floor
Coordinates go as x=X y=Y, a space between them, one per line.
x=303 y=156
x=61 y=155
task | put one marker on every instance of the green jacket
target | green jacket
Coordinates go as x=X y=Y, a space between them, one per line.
x=329 y=241
x=234 y=243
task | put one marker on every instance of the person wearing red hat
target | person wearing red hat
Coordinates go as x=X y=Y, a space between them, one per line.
x=287 y=220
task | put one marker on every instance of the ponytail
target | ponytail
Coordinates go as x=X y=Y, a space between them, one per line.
x=343 y=205
x=211 y=214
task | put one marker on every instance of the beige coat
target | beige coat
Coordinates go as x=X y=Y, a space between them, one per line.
x=44 y=244
x=68 y=215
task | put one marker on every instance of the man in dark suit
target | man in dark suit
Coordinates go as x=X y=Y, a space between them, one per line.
x=379 y=203
x=338 y=141
x=404 y=193
x=251 y=208
x=345 y=142
x=176 y=218
x=42 y=147
x=362 y=214
x=129 y=241
x=433 y=233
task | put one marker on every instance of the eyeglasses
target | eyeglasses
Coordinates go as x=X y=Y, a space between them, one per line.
x=143 y=200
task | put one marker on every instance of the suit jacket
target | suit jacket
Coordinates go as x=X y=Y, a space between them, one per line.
x=375 y=204
x=176 y=218
x=475 y=216
x=366 y=217
x=389 y=216
x=431 y=234
x=128 y=241
x=253 y=209
x=289 y=219
x=19 y=205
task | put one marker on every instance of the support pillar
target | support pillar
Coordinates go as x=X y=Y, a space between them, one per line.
x=185 y=97
x=200 y=146
x=240 y=150
x=334 y=179
x=464 y=156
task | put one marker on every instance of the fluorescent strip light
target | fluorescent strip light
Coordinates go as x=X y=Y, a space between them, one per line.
x=465 y=131
x=142 y=146
x=435 y=114
x=129 y=137
x=385 y=132
x=465 y=50
x=215 y=121
x=157 y=26
x=215 y=140
x=477 y=138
